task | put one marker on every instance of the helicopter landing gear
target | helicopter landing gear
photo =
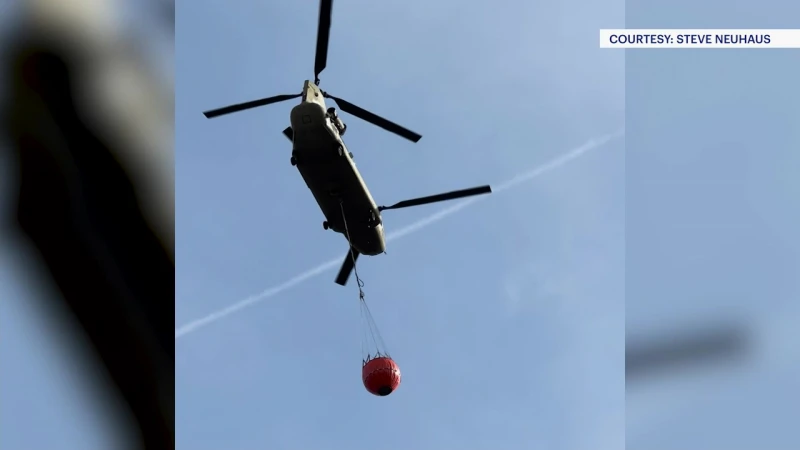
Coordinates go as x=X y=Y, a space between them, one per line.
x=325 y=225
x=372 y=220
x=293 y=161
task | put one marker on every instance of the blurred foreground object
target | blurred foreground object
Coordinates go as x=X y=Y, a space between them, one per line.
x=729 y=386
x=92 y=134
x=687 y=349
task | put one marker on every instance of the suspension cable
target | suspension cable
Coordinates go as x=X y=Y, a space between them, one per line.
x=366 y=313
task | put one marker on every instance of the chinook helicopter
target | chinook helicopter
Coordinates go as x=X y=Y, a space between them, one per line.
x=327 y=167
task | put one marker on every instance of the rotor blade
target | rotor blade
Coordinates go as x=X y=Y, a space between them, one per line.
x=248 y=105
x=440 y=197
x=347 y=266
x=363 y=114
x=289 y=133
x=323 y=36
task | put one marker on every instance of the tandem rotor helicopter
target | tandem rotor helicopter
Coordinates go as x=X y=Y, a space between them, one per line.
x=327 y=166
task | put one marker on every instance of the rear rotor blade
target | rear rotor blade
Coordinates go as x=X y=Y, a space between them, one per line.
x=323 y=36
x=347 y=267
x=363 y=114
x=440 y=197
x=249 y=105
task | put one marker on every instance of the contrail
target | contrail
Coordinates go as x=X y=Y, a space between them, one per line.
x=414 y=227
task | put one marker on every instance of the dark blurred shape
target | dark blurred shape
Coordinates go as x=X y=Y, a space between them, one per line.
x=82 y=211
x=684 y=349
x=166 y=11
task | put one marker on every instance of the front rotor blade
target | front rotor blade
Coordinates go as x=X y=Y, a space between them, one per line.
x=363 y=114
x=249 y=105
x=440 y=197
x=347 y=266
x=323 y=36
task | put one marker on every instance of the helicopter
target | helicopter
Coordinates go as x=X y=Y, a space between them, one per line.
x=328 y=168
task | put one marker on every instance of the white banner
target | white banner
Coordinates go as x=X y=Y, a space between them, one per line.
x=690 y=38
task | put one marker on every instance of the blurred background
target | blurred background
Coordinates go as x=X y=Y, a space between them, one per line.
x=712 y=243
x=86 y=244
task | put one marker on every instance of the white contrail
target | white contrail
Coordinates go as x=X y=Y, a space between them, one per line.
x=416 y=226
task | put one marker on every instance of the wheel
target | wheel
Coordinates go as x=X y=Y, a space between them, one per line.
x=351 y=155
x=373 y=221
x=293 y=161
x=325 y=225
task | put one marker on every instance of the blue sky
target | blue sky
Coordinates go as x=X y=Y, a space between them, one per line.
x=506 y=319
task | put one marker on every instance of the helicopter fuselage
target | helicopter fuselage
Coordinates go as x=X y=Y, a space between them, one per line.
x=328 y=169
